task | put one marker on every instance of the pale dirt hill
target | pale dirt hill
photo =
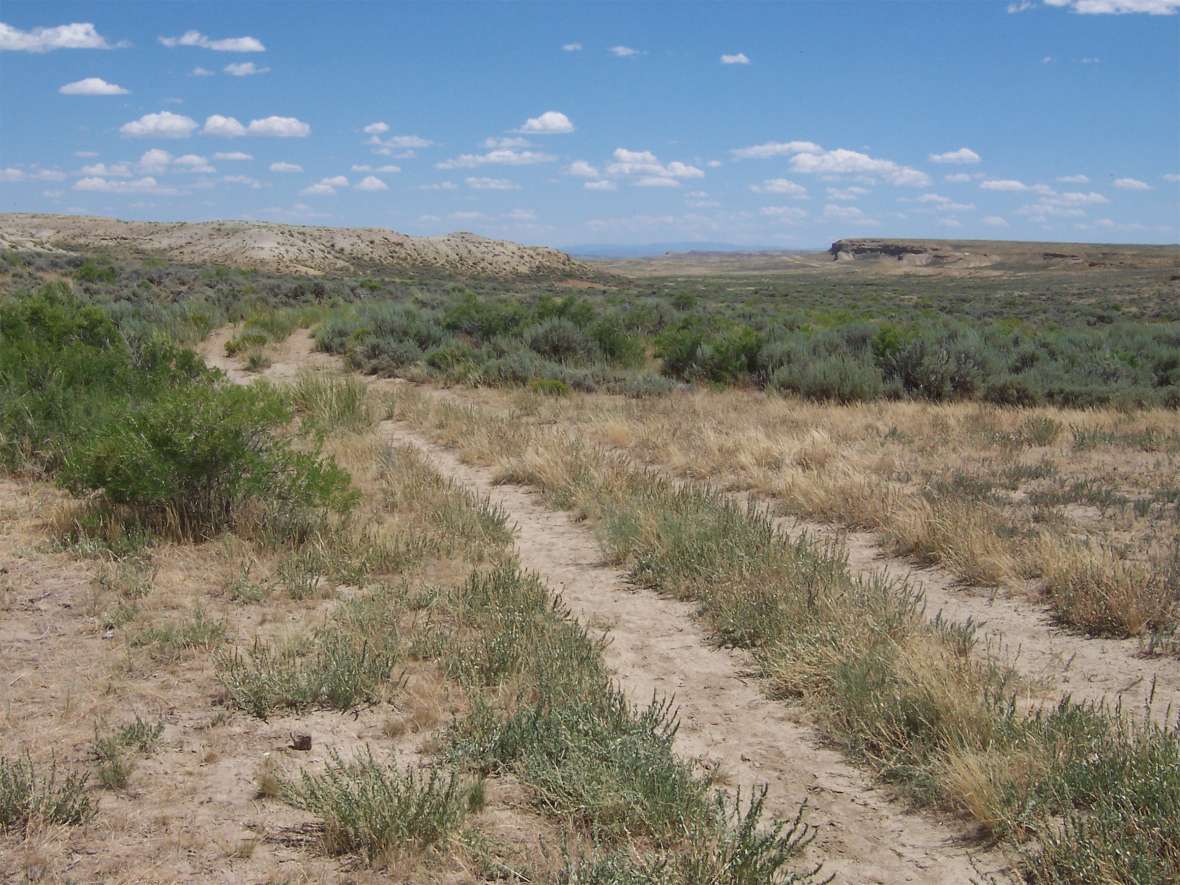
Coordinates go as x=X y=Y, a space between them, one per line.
x=287 y=248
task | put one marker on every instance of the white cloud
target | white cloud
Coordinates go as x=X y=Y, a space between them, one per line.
x=1172 y=177
x=1003 y=184
x=192 y=163
x=571 y=47
x=203 y=72
x=776 y=149
x=491 y=184
x=957 y=177
x=602 y=185
x=244 y=69
x=279 y=127
x=388 y=168
x=845 y=162
x=738 y=58
x=498 y=157
x=549 y=123
x=846 y=193
x=281 y=166
x=439 y=186
x=646 y=165
x=155 y=160
x=325 y=187
x=92 y=86
x=225 y=44
x=1047 y=60
x=521 y=215
x=623 y=51
x=1074 y=179
x=232 y=155
x=378 y=128
x=13 y=173
x=850 y=214
x=104 y=170
x=365 y=167
x=398 y=145
x=245 y=180
x=657 y=181
x=780 y=186
x=77 y=35
x=943 y=204
x=224 y=127
x=995 y=221
x=786 y=214
x=1119 y=7
x=1090 y=60
x=371 y=183
x=1020 y=6
x=964 y=156
x=165 y=124
x=507 y=141
x=1044 y=210
x=1076 y=198
x=1131 y=184
x=145 y=185
x=581 y=169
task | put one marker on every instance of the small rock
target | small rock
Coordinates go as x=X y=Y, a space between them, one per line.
x=301 y=742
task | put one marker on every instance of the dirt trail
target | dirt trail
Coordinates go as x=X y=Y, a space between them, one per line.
x=656 y=646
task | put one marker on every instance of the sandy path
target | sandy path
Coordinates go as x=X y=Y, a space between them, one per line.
x=656 y=646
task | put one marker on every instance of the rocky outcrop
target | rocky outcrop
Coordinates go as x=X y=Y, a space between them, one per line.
x=286 y=248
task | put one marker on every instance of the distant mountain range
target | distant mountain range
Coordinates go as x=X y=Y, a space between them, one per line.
x=647 y=250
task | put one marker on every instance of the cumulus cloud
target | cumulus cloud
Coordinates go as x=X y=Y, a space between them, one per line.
x=850 y=214
x=279 y=127
x=600 y=185
x=165 y=124
x=943 y=204
x=995 y=221
x=497 y=157
x=371 y=183
x=507 y=141
x=439 y=186
x=267 y=127
x=845 y=162
x=785 y=214
x=964 y=156
x=145 y=185
x=571 y=47
x=365 y=167
x=244 y=69
x=92 y=86
x=15 y=173
x=773 y=149
x=225 y=44
x=846 y=193
x=378 y=128
x=1020 y=6
x=647 y=168
x=283 y=167
x=231 y=155
x=1074 y=179
x=957 y=177
x=398 y=145
x=581 y=169
x=245 y=180
x=1131 y=184
x=192 y=163
x=1118 y=7
x=548 y=123
x=107 y=170
x=325 y=187
x=157 y=161
x=203 y=72
x=1172 y=177
x=780 y=186
x=491 y=184
x=738 y=58
x=1003 y=184
x=76 y=35
x=623 y=51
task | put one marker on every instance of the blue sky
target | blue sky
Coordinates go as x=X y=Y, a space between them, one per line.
x=775 y=124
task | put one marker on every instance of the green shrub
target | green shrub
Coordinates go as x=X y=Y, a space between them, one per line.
x=549 y=387
x=841 y=378
x=196 y=456
x=561 y=341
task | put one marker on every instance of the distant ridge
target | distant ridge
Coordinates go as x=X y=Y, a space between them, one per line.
x=295 y=249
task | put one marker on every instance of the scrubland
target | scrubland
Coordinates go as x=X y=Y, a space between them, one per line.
x=200 y=573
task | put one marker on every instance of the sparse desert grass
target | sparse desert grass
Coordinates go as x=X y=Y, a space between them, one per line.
x=29 y=796
x=916 y=699
x=997 y=496
x=333 y=404
x=382 y=811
